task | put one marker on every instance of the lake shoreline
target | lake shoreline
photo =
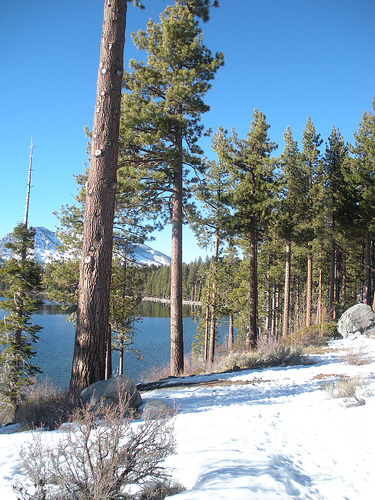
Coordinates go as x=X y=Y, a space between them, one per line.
x=168 y=301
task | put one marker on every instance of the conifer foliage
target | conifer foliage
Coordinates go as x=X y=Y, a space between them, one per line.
x=162 y=107
x=18 y=333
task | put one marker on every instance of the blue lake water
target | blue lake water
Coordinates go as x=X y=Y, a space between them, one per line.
x=56 y=342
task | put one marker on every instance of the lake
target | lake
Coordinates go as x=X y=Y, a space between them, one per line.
x=56 y=341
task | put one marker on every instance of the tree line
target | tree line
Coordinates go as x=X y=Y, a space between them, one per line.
x=292 y=234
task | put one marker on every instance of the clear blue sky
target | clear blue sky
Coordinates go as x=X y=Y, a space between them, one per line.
x=290 y=59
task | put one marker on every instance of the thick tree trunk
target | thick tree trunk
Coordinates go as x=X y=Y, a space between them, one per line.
x=252 y=335
x=96 y=260
x=177 y=343
x=286 y=290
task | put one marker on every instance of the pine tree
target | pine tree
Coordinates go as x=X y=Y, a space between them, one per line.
x=125 y=298
x=340 y=208
x=291 y=209
x=363 y=162
x=311 y=142
x=161 y=114
x=89 y=359
x=252 y=194
x=18 y=333
x=210 y=227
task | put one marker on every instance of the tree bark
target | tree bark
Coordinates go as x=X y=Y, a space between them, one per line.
x=286 y=290
x=108 y=354
x=206 y=329
x=177 y=344
x=230 y=333
x=332 y=279
x=211 y=352
x=252 y=330
x=309 y=288
x=368 y=269
x=96 y=260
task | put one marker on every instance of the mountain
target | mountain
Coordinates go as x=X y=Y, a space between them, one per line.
x=47 y=249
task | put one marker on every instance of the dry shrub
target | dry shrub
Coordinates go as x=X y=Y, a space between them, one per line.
x=99 y=459
x=356 y=357
x=316 y=335
x=269 y=353
x=345 y=387
x=6 y=413
x=155 y=373
x=44 y=405
x=192 y=366
x=160 y=491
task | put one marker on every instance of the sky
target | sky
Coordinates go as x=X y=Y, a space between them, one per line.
x=259 y=434
x=289 y=59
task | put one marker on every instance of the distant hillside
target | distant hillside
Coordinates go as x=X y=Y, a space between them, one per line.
x=47 y=243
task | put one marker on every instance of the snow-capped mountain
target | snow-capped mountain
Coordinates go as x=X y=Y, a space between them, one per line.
x=47 y=249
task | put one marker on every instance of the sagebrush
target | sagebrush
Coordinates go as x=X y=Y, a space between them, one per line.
x=99 y=455
x=346 y=388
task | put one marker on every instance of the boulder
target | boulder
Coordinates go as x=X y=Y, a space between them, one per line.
x=109 y=391
x=156 y=408
x=357 y=320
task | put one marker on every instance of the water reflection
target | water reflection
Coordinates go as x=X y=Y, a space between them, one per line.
x=51 y=308
x=160 y=310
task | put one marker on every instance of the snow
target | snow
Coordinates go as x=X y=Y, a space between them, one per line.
x=262 y=434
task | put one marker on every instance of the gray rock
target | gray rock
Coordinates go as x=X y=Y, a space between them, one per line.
x=156 y=408
x=357 y=320
x=109 y=391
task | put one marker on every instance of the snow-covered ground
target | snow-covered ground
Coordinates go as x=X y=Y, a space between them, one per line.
x=265 y=434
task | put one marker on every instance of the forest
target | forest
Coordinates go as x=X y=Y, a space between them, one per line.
x=291 y=226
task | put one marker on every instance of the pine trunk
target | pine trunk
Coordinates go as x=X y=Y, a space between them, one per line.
x=108 y=354
x=368 y=269
x=286 y=290
x=121 y=361
x=319 y=312
x=230 y=333
x=252 y=330
x=309 y=289
x=211 y=352
x=177 y=345
x=206 y=330
x=332 y=278
x=96 y=260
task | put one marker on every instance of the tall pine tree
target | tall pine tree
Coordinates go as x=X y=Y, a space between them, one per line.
x=363 y=164
x=252 y=194
x=162 y=107
x=311 y=142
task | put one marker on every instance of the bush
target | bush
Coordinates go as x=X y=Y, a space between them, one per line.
x=345 y=387
x=98 y=459
x=44 y=405
x=356 y=357
x=269 y=353
x=315 y=335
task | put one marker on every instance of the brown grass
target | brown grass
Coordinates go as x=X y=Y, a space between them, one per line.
x=270 y=352
x=45 y=405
